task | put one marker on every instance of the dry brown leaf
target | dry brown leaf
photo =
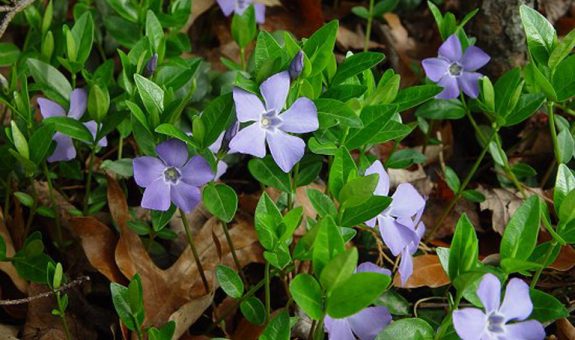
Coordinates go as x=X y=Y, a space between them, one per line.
x=350 y=40
x=6 y=266
x=427 y=272
x=199 y=7
x=8 y=332
x=565 y=260
x=565 y=329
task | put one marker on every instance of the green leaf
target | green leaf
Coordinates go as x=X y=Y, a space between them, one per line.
x=441 y=109
x=267 y=49
x=327 y=244
x=332 y=111
x=415 y=95
x=520 y=235
x=71 y=127
x=562 y=50
x=319 y=47
x=339 y=269
x=364 y=212
x=464 y=248
x=452 y=179
x=395 y=303
x=375 y=120
x=154 y=30
x=152 y=96
x=122 y=306
x=2 y=249
x=565 y=145
x=221 y=201
x=253 y=310
x=244 y=28
x=473 y=196
x=322 y=204
x=278 y=328
x=534 y=76
x=9 y=54
x=172 y=131
x=217 y=117
x=564 y=184
x=546 y=307
x=511 y=265
x=267 y=221
x=527 y=105
x=83 y=34
x=567 y=209
x=563 y=83
x=412 y=328
x=98 y=102
x=125 y=8
x=306 y=292
x=356 y=293
x=405 y=158
x=48 y=76
x=165 y=332
x=540 y=33
x=341 y=168
x=356 y=64
x=267 y=172
x=19 y=141
x=505 y=89
x=24 y=198
x=358 y=190
x=230 y=281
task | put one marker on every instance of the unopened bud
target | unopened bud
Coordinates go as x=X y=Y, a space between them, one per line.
x=296 y=66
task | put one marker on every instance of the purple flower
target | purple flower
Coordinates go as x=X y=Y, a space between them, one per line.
x=296 y=66
x=171 y=177
x=364 y=325
x=454 y=70
x=399 y=224
x=240 y=6
x=496 y=322
x=65 y=149
x=151 y=66
x=271 y=125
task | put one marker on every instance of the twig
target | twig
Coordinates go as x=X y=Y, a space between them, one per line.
x=11 y=13
x=29 y=299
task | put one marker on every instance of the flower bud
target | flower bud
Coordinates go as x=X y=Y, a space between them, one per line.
x=151 y=66
x=296 y=66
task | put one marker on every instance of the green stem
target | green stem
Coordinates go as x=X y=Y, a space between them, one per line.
x=233 y=249
x=427 y=136
x=243 y=58
x=53 y=204
x=7 y=196
x=368 y=28
x=268 y=295
x=63 y=316
x=553 y=130
x=194 y=250
x=463 y=186
x=545 y=260
x=120 y=147
x=89 y=180
x=32 y=209
x=319 y=333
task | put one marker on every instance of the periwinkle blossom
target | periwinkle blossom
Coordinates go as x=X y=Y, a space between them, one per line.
x=272 y=126
x=454 y=70
x=151 y=66
x=172 y=177
x=239 y=7
x=499 y=320
x=364 y=325
x=65 y=149
x=400 y=223
x=296 y=65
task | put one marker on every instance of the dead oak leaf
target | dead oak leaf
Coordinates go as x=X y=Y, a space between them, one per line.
x=427 y=272
x=7 y=266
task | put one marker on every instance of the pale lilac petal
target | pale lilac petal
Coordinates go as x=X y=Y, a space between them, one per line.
x=286 y=150
x=216 y=146
x=173 y=152
x=371 y=267
x=250 y=140
x=221 y=169
x=405 y=265
x=260 y=13
x=526 y=330
x=395 y=235
x=469 y=83
x=157 y=196
x=474 y=58
x=382 y=188
x=147 y=169
x=275 y=90
x=197 y=172
x=517 y=303
x=469 y=323
x=371 y=223
x=93 y=127
x=435 y=68
x=249 y=107
x=367 y=324
x=451 y=49
x=450 y=88
x=64 y=150
x=301 y=117
x=406 y=201
x=78 y=103
x=227 y=6
x=338 y=329
x=185 y=196
x=49 y=108
x=489 y=292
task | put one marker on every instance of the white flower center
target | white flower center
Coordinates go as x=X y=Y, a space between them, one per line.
x=455 y=69
x=495 y=323
x=270 y=121
x=265 y=122
x=172 y=175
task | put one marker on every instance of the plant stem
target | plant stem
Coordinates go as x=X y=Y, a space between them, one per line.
x=243 y=58
x=194 y=251
x=268 y=295
x=553 y=130
x=53 y=204
x=62 y=312
x=120 y=147
x=462 y=188
x=319 y=333
x=368 y=28
x=545 y=260
x=89 y=180
x=233 y=249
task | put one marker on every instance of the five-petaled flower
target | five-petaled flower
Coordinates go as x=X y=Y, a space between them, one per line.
x=500 y=321
x=271 y=125
x=454 y=70
x=400 y=223
x=172 y=177
x=240 y=6
x=65 y=149
x=365 y=324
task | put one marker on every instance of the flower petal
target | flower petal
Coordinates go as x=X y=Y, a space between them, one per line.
x=406 y=201
x=474 y=58
x=526 y=330
x=250 y=140
x=395 y=235
x=489 y=292
x=64 y=150
x=197 y=172
x=215 y=147
x=173 y=152
x=147 y=169
x=275 y=90
x=93 y=127
x=157 y=196
x=301 y=117
x=517 y=303
x=469 y=83
x=222 y=167
x=227 y=6
x=338 y=329
x=451 y=49
x=260 y=13
x=405 y=265
x=435 y=68
x=78 y=103
x=185 y=196
x=469 y=323
x=371 y=267
x=249 y=107
x=49 y=108
x=286 y=150
x=450 y=88
x=382 y=188
x=369 y=322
